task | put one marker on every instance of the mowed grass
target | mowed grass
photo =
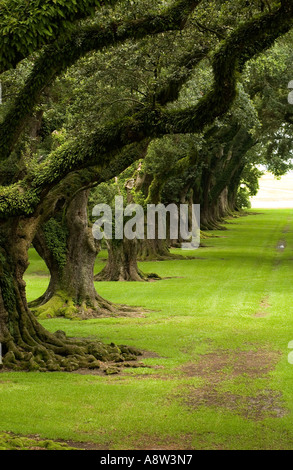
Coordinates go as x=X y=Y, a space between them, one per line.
x=234 y=300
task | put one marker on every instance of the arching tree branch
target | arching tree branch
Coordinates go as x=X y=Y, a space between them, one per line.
x=101 y=146
x=56 y=58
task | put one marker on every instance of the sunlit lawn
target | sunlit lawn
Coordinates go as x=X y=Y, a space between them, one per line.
x=207 y=305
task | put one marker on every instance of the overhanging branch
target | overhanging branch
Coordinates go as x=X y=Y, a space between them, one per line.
x=99 y=149
x=56 y=58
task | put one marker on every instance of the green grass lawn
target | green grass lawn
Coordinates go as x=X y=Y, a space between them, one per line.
x=218 y=328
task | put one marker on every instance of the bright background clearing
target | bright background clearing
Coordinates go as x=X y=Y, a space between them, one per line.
x=274 y=193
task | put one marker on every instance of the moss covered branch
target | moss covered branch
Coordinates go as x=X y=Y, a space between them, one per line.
x=57 y=57
x=100 y=147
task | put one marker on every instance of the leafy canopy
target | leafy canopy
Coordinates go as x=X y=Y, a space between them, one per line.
x=25 y=26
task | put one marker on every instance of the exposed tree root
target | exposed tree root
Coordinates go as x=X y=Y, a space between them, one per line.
x=61 y=305
x=27 y=345
x=159 y=257
x=69 y=355
x=135 y=276
x=120 y=273
x=35 y=349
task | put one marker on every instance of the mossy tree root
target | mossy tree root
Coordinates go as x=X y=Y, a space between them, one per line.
x=62 y=305
x=33 y=348
x=65 y=354
x=156 y=250
x=27 y=345
x=118 y=273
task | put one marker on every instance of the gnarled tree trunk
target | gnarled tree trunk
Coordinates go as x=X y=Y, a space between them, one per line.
x=26 y=345
x=121 y=263
x=69 y=250
x=123 y=254
x=155 y=250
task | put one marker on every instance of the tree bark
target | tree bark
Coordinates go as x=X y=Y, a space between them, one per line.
x=155 y=250
x=71 y=292
x=26 y=345
x=122 y=262
x=209 y=217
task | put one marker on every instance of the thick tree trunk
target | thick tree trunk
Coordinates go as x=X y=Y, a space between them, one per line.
x=26 y=345
x=155 y=250
x=122 y=262
x=212 y=209
x=71 y=292
x=223 y=205
x=123 y=254
x=234 y=186
x=210 y=218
